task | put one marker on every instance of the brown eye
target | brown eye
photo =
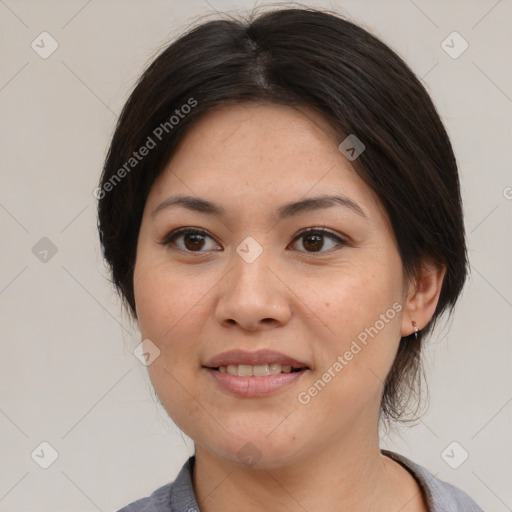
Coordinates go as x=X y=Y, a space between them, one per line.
x=314 y=240
x=189 y=240
x=193 y=242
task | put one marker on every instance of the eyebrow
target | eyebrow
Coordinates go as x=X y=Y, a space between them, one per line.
x=198 y=204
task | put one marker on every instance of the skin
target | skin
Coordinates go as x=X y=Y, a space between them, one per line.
x=305 y=300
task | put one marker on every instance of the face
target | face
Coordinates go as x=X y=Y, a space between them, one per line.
x=257 y=286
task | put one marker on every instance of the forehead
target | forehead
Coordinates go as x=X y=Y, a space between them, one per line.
x=243 y=130
x=260 y=154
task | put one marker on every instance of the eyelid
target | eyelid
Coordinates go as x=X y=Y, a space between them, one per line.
x=323 y=231
x=341 y=241
x=183 y=231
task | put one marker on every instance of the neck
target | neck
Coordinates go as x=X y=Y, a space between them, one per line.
x=351 y=475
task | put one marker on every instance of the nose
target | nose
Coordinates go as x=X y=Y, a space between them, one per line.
x=253 y=295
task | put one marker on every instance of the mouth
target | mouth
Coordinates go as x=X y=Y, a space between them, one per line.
x=260 y=370
x=254 y=374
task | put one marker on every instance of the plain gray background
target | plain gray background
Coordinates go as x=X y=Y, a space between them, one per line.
x=68 y=375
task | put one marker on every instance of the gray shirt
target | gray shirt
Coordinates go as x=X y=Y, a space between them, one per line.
x=179 y=496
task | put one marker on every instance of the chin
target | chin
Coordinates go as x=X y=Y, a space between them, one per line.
x=255 y=449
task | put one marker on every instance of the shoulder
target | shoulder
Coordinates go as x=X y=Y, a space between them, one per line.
x=156 y=502
x=172 y=497
x=441 y=496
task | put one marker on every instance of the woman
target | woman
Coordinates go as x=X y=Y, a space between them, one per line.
x=281 y=213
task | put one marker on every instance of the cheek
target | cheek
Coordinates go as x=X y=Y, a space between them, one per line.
x=166 y=306
x=171 y=309
x=164 y=298
x=363 y=313
x=358 y=300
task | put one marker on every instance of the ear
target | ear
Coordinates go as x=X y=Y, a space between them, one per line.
x=422 y=297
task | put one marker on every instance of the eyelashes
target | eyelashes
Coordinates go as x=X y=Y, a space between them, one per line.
x=197 y=238
x=193 y=233
x=316 y=234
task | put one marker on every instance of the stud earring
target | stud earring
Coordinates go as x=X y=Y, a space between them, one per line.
x=415 y=329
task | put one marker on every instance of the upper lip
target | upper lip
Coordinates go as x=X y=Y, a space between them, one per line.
x=255 y=358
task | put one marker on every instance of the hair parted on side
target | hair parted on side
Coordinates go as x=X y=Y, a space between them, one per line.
x=309 y=58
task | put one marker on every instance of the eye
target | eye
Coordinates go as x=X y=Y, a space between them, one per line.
x=189 y=240
x=313 y=239
x=194 y=240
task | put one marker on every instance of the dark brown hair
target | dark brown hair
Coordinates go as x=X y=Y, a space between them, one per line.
x=309 y=58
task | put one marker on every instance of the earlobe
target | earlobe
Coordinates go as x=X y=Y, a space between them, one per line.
x=415 y=327
x=422 y=298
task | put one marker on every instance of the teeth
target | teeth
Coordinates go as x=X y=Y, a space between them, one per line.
x=260 y=370
x=274 y=368
x=231 y=369
x=244 y=370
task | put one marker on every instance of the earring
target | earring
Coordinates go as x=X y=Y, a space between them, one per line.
x=415 y=329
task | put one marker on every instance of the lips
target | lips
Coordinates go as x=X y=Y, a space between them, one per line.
x=255 y=374
x=257 y=358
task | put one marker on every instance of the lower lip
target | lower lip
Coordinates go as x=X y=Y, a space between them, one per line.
x=254 y=386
